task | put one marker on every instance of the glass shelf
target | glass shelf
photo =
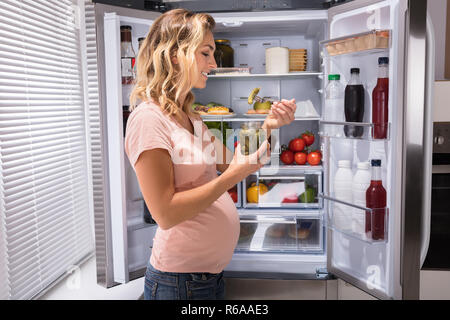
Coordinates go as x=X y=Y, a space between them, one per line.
x=364 y=130
x=350 y=220
x=291 y=75
x=244 y=118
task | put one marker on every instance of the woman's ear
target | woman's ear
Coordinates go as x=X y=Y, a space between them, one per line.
x=174 y=60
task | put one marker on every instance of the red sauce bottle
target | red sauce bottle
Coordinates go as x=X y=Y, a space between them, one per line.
x=380 y=101
x=376 y=200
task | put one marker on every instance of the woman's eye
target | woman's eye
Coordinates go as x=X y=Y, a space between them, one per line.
x=205 y=54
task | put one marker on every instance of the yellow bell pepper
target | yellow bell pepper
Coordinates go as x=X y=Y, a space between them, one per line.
x=252 y=192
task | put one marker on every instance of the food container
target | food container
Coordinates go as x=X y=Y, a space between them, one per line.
x=297 y=60
x=277 y=60
x=250 y=137
x=280 y=233
x=224 y=54
x=285 y=191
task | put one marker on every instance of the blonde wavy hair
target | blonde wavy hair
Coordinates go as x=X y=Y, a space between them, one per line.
x=177 y=33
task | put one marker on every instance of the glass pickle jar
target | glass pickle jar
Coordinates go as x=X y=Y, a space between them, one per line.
x=251 y=136
x=224 y=54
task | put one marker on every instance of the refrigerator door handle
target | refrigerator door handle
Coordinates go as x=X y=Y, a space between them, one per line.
x=428 y=141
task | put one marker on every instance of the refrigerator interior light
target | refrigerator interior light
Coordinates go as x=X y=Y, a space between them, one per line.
x=232 y=24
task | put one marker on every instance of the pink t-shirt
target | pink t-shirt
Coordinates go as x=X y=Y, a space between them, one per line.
x=206 y=242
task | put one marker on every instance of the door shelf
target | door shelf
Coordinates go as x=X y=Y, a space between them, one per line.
x=350 y=220
x=335 y=129
x=373 y=41
x=280 y=234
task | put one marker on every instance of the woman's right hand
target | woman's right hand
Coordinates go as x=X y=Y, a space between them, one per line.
x=242 y=166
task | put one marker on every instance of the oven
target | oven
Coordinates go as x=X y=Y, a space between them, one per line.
x=438 y=256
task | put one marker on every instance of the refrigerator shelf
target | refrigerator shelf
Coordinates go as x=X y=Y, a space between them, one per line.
x=350 y=220
x=335 y=129
x=244 y=118
x=289 y=169
x=290 y=75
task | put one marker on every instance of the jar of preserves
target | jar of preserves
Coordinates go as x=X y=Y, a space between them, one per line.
x=224 y=54
x=251 y=136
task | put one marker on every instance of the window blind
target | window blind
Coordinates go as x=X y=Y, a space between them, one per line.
x=44 y=209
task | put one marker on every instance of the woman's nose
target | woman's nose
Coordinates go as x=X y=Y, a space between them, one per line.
x=212 y=62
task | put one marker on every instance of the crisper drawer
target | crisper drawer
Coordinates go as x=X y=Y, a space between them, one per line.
x=282 y=191
x=281 y=234
x=236 y=195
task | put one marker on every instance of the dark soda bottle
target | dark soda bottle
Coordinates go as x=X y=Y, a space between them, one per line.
x=354 y=105
x=380 y=100
x=376 y=200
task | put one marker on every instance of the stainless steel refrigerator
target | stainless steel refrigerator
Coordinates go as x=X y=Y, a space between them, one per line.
x=387 y=268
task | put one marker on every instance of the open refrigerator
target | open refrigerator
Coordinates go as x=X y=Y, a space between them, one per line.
x=385 y=269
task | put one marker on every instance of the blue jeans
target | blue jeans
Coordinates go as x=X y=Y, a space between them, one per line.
x=161 y=285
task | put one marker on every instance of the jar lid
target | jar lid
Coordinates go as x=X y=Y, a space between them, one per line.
x=344 y=164
x=364 y=165
x=251 y=125
x=125 y=27
x=222 y=41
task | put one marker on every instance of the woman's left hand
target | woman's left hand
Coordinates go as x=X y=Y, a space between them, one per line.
x=281 y=114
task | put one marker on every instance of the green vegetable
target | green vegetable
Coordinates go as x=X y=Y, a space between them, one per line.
x=308 y=196
x=216 y=125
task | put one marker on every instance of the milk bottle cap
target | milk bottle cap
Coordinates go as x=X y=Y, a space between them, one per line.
x=364 y=165
x=344 y=164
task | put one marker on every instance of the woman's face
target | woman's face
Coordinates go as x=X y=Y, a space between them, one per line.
x=205 y=60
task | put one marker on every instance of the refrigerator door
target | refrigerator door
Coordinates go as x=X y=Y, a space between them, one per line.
x=387 y=268
x=123 y=238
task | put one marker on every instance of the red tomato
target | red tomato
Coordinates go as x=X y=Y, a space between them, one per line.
x=287 y=157
x=314 y=158
x=297 y=145
x=308 y=137
x=234 y=196
x=300 y=158
x=290 y=199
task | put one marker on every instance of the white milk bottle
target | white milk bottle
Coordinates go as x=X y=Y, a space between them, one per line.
x=361 y=181
x=343 y=191
x=334 y=106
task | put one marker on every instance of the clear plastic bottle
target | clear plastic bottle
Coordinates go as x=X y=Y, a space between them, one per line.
x=334 y=105
x=127 y=54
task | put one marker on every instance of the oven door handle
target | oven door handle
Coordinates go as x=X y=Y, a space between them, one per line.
x=428 y=141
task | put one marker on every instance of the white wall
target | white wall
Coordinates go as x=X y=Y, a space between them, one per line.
x=438 y=12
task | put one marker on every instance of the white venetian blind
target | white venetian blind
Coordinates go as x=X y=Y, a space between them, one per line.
x=44 y=209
